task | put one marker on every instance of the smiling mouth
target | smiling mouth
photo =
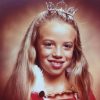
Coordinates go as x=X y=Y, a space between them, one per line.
x=56 y=64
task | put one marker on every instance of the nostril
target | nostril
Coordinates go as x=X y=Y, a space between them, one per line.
x=56 y=55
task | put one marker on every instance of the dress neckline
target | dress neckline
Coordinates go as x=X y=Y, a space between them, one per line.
x=71 y=95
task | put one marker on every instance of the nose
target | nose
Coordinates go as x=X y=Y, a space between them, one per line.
x=57 y=53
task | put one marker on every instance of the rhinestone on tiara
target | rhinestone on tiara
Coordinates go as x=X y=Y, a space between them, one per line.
x=62 y=7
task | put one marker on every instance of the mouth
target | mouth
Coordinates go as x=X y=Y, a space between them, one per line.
x=56 y=64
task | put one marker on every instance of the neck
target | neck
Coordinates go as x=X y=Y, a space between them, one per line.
x=54 y=84
x=54 y=79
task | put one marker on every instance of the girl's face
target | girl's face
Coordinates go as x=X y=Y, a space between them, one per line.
x=55 y=47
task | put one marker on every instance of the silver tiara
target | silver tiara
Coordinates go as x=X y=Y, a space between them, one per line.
x=61 y=6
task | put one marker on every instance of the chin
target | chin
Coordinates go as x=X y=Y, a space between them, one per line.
x=55 y=74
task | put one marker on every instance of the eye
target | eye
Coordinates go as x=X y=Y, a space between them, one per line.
x=48 y=44
x=68 y=45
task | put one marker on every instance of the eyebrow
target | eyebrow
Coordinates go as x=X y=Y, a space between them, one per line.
x=69 y=42
x=47 y=40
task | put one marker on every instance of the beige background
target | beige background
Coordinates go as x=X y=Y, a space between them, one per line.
x=15 y=17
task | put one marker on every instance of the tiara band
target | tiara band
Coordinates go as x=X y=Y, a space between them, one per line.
x=61 y=6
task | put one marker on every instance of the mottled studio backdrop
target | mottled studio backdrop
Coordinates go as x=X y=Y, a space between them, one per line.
x=16 y=16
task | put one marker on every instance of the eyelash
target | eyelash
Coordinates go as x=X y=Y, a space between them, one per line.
x=48 y=44
x=68 y=46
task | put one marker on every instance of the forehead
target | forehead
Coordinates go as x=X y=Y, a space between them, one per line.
x=58 y=29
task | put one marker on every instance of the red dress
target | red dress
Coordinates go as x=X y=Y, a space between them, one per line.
x=36 y=96
x=91 y=96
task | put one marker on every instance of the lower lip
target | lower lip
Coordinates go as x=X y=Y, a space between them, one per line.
x=56 y=67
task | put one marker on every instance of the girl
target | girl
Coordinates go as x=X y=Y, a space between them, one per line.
x=50 y=63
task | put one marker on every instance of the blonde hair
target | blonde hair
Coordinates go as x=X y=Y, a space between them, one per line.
x=22 y=78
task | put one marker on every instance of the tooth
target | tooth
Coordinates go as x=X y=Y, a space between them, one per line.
x=56 y=64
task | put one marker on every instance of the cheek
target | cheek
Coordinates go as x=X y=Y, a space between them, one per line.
x=69 y=54
x=44 y=52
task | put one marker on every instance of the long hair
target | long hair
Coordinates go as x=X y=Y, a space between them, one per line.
x=22 y=78
x=18 y=86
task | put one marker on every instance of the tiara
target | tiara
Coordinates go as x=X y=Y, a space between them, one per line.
x=62 y=7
